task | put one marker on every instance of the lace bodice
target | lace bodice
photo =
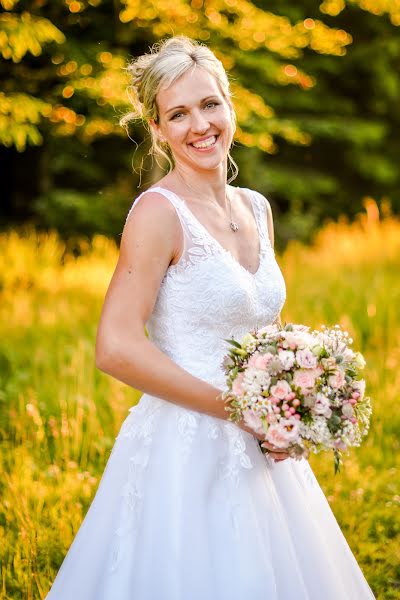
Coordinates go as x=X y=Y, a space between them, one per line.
x=208 y=296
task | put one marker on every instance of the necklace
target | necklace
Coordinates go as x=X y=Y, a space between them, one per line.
x=232 y=224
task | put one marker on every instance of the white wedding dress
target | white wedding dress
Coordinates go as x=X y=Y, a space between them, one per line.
x=188 y=507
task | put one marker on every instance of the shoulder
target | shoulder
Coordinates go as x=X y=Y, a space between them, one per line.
x=153 y=205
x=152 y=223
x=263 y=201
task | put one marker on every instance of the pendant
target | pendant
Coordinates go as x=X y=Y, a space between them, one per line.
x=234 y=226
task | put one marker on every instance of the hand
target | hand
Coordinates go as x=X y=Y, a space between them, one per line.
x=275 y=453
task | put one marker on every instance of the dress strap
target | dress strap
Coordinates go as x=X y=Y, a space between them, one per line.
x=163 y=192
x=260 y=210
x=190 y=237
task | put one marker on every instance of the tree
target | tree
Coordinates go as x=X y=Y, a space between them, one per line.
x=312 y=131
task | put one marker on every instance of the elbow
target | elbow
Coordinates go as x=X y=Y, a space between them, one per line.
x=103 y=360
x=112 y=355
x=106 y=354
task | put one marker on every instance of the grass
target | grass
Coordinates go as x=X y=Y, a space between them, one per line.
x=59 y=416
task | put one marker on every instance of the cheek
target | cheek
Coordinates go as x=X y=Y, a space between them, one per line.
x=226 y=122
x=176 y=133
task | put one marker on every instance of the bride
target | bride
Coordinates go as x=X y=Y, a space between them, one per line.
x=188 y=507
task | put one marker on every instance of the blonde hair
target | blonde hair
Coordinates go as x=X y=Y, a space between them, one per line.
x=161 y=67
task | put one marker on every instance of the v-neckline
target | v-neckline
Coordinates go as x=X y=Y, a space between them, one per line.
x=214 y=239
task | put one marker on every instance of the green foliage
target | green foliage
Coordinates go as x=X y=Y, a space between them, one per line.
x=20 y=116
x=316 y=89
x=23 y=33
x=84 y=214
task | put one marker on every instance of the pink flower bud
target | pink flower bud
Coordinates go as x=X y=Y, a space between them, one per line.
x=296 y=402
x=297 y=416
x=288 y=414
x=276 y=409
x=355 y=395
x=353 y=419
x=290 y=396
x=292 y=410
x=353 y=401
x=285 y=406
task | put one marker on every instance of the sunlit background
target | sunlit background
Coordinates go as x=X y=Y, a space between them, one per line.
x=317 y=93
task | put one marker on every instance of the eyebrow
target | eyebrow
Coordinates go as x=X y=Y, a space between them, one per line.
x=202 y=100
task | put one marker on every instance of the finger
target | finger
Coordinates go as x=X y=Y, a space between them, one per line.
x=273 y=448
x=278 y=456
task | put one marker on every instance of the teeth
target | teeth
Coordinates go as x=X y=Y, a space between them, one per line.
x=206 y=143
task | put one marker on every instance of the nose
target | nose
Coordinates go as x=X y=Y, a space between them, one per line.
x=199 y=123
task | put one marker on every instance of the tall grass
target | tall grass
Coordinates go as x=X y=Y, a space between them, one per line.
x=59 y=416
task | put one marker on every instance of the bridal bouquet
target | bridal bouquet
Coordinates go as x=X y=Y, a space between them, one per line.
x=299 y=388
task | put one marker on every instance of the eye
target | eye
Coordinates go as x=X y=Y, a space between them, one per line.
x=176 y=115
x=212 y=104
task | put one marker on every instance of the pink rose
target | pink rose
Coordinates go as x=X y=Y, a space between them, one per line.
x=306 y=359
x=284 y=433
x=277 y=436
x=305 y=379
x=280 y=389
x=253 y=421
x=263 y=360
x=336 y=379
x=237 y=386
x=260 y=361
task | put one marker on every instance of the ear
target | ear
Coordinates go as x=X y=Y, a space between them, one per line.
x=156 y=130
x=153 y=125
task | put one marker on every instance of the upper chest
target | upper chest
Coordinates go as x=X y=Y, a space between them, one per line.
x=213 y=222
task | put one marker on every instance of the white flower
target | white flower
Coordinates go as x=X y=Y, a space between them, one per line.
x=306 y=359
x=321 y=406
x=286 y=358
x=359 y=360
x=254 y=380
x=247 y=339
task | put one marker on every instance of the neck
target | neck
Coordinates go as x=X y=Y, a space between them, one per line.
x=209 y=187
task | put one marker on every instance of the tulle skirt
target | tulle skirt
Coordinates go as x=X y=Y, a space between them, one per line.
x=188 y=508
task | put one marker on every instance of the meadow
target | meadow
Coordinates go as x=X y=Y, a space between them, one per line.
x=59 y=415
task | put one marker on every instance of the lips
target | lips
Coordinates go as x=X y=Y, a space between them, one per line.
x=206 y=143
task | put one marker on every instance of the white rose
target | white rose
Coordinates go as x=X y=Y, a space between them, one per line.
x=287 y=359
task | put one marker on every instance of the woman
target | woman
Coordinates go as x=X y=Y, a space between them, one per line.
x=188 y=507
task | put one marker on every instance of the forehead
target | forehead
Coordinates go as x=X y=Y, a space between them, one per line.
x=188 y=89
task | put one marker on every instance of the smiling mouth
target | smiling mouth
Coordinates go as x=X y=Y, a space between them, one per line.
x=205 y=144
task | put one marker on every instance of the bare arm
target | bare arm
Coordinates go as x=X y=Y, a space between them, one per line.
x=151 y=239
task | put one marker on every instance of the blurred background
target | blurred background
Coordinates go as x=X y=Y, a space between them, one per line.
x=317 y=93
